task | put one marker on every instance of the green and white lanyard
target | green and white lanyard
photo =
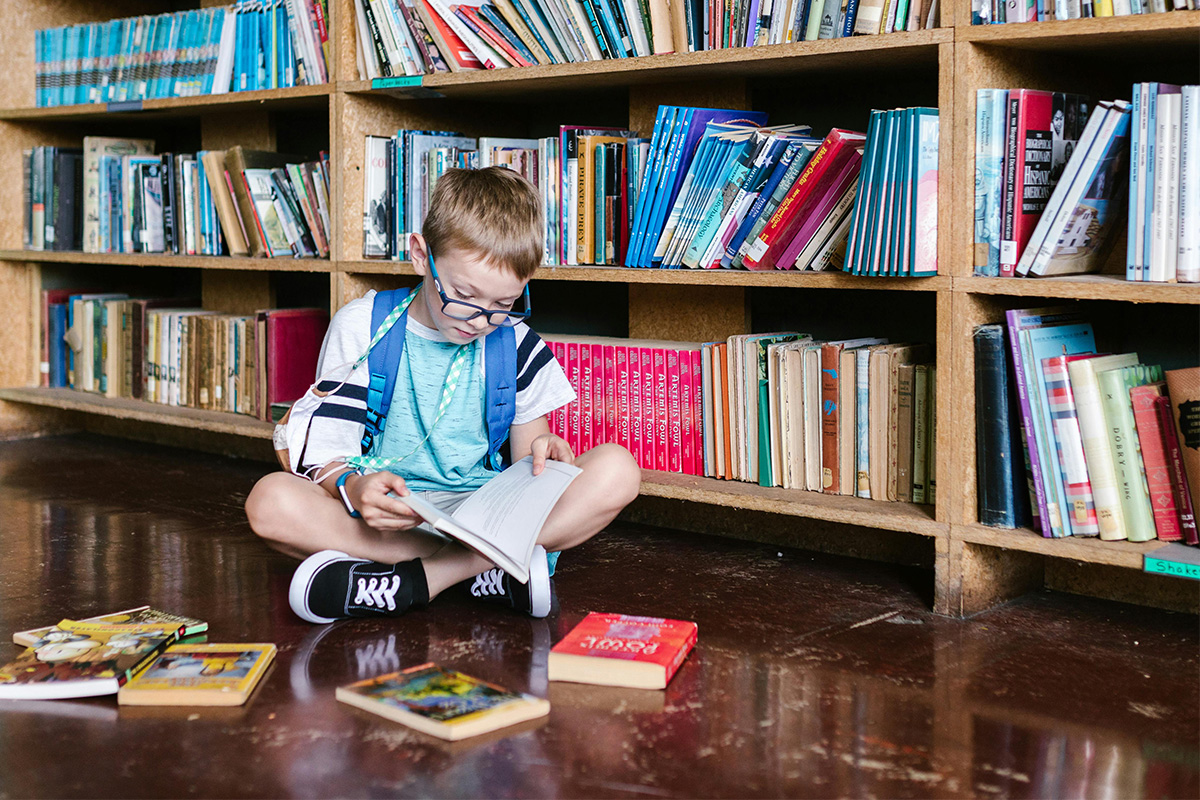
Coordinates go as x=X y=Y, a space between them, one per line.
x=453 y=373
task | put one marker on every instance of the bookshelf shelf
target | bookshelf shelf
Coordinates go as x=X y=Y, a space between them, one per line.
x=1084 y=287
x=858 y=53
x=793 y=502
x=275 y=99
x=172 y=261
x=1090 y=550
x=141 y=411
x=1174 y=28
x=789 y=279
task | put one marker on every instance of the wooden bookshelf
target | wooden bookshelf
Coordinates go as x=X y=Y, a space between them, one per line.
x=825 y=83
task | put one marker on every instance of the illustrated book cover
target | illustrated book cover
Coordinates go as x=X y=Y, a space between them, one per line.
x=442 y=702
x=199 y=675
x=623 y=650
x=140 y=615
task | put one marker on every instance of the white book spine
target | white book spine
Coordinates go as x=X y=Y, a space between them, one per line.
x=1138 y=207
x=1158 y=216
x=1187 y=266
x=486 y=54
x=1174 y=111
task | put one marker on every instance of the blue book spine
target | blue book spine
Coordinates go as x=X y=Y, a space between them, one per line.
x=599 y=159
x=1151 y=112
x=597 y=29
x=649 y=177
x=533 y=29
x=862 y=441
x=739 y=236
x=852 y=262
x=58 y=347
x=670 y=184
x=610 y=28
x=202 y=191
x=1135 y=137
x=491 y=15
x=39 y=51
x=263 y=42
x=850 y=18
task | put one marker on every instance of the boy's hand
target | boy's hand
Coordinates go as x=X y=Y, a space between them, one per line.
x=550 y=446
x=370 y=495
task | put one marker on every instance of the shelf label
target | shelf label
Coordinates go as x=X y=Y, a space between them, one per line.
x=410 y=86
x=128 y=105
x=1174 y=559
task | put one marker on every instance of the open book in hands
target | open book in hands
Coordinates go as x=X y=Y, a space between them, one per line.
x=502 y=519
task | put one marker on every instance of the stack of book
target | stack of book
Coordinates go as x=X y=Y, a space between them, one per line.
x=117 y=196
x=142 y=655
x=413 y=37
x=1101 y=434
x=644 y=395
x=993 y=12
x=1164 y=184
x=253 y=44
x=168 y=351
x=893 y=228
x=850 y=417
x=1023 y=140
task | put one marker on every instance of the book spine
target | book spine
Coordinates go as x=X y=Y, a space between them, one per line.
x=1179 y=486
x=609 y=355
x=661 y=405
x=586 y=397
x=1122 y=433
x=921 y=410
x=624 y=407
x=688 y=420
x=1032 y=457
x=599 y=397
x=1188 y=263
x=830 y=358
x=1008 y=247
x=905 y=388
x=636 y=412
x=1154 y=457
x=1080 y=504
x=649 y=434
x=573 y=409
x=698 y=429
x=674 y=412
x=862 y=487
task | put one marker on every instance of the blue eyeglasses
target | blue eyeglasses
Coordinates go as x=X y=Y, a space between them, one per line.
x=464 y=312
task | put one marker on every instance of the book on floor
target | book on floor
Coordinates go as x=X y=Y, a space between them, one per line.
x=83 y=659
x=442 y=702
x=501 y=520
x=623 y=650
x=141 y=615
x=199 y=675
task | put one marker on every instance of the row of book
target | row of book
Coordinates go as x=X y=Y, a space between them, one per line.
x=1164 y=184
x=711 y=188
x=852 y=417
x=250 y=45
x=118 y=196
x=169 y=351
x=413 y=37
x=992 y=12
x=1101 y=433
x=644 y=395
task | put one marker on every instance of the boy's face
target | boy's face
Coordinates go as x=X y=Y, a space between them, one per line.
x=467 y=277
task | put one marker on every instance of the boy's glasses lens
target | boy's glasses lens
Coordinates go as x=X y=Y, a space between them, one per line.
x=465 y=311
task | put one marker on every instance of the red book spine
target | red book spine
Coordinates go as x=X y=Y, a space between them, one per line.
x=622 y=397
x=558 y=416
x=661 y=410
x=1154 y=459
x=599 y=395
x=485 y=31
x=586 y=397
x=610 y=393
x=686 y=443
x=573 y=438
x=698 y=411
x=674 y=413
x=1179 y=485
x=635 y=406
x=649 y=444
x=830 y=386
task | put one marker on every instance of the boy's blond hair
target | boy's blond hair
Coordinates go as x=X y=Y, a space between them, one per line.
x=492 y=212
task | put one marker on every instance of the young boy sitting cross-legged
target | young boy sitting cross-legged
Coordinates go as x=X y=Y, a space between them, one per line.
x=367 y=553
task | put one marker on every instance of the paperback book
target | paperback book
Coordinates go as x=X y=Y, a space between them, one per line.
x=199 y=675
x=623 y=650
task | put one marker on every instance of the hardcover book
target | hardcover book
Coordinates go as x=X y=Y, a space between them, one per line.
x=83 y=659
x=623 y=650
x=442 y=702
x=199 y=675
x=1183 y=385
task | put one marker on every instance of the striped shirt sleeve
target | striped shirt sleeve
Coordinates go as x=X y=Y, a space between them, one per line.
x=542 y=385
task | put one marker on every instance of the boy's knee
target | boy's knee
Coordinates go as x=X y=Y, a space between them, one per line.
x=267 y=505
x=619 y=472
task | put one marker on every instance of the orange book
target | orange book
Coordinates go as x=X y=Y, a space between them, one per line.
x=623 y=650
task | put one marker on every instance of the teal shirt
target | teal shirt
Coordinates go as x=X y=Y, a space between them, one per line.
x=453 y=459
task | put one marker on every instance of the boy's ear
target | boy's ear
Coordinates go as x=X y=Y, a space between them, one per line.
x=418 y=253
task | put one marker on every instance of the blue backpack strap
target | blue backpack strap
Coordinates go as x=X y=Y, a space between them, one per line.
x=383 y=362
x=500 y=367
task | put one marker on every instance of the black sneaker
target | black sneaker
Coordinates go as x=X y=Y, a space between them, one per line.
x=533 y=598
x=330 y=585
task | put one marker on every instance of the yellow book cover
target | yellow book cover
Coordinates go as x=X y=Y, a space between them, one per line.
x=210 y=674
x=141 y=615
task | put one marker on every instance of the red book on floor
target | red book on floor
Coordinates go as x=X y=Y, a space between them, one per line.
x=291 y=340
x=622 y=650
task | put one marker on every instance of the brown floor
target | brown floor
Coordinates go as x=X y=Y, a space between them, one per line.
x=815 y=676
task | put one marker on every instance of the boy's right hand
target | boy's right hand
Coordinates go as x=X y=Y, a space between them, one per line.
x=370 y=495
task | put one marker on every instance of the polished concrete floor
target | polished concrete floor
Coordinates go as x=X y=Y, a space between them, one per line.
x=814 y=676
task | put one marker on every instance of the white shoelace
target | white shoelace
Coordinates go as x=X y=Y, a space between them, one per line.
x=375 y=592
x=488 y=583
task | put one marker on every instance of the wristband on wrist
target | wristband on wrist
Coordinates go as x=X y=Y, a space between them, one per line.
x=341 y=487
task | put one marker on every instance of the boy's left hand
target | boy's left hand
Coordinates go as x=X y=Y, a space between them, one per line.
x=549 y=446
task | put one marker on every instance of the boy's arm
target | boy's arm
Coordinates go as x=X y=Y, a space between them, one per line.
x=534 y=438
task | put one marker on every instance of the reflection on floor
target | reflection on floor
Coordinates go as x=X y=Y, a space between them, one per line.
x=815 y=676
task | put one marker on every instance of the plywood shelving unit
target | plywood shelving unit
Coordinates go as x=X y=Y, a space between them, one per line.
x=825 y=83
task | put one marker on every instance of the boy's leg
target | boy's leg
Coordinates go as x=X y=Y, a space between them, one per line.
x=610 y=481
